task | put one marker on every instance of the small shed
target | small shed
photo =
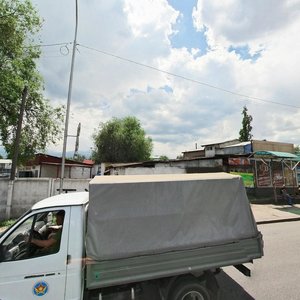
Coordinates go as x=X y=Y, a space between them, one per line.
x=44 y=165
x=275 y=168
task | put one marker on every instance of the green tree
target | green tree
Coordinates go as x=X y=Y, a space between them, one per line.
x=19 y=24
x=297 y=149
x=79 y=157
x=163 y=158
x=121 y=140
x=245 y=132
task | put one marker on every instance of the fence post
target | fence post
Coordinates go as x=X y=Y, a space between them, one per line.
x=49 y=187
x=9 y=199
x=274 y=191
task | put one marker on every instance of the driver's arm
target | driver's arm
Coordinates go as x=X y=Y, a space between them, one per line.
x=44 y=243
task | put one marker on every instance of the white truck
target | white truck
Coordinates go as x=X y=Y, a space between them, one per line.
x=132 y=237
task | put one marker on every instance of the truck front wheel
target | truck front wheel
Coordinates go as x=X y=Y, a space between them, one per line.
x=189 y=289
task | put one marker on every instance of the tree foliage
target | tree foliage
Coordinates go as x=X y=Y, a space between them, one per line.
x=79 y=157
x=121 y=140
x=163 y=158
x=245 y=132
x=19 y=24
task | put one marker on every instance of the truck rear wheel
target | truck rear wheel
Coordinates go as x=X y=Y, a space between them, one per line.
x=189 y=289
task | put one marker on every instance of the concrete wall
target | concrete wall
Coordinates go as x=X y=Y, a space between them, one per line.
x=210 y=151
x=80 y=185
x=49 y=171
x=28 y=191
x=80 y=172
x=272 y=146
x=194 y=154
x=3 y=197
x=150 y=171
x=231 y=150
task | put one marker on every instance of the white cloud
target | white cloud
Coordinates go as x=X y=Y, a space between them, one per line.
x=186 y=112
x=150 y=16
x=244 y=21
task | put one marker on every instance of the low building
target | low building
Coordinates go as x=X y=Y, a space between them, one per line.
x=44 y=165
x=262 y=163
x=220 y=149
x=265 y=166
x=5 y=168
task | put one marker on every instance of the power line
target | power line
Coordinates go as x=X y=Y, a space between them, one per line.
x=49 y=45
x=52 y=56
x=189 y=79
x=63 y=45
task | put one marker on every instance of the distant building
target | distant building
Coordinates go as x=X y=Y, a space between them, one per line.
x=235 y=147
x=220 y=149
x=44 y=165
x=264 y=165
x=5 y=168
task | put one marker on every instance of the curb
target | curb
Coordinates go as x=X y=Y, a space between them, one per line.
x=278 y=221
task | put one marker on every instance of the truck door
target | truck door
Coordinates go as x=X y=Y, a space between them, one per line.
x=28 y=271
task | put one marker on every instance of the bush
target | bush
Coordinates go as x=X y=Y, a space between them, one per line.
x=6 y=223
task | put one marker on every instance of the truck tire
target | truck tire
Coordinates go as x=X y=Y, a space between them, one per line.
x=189 y=289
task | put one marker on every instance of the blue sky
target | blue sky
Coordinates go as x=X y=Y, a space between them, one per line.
x=202 y=57
x=244 y=53
x=186 y=34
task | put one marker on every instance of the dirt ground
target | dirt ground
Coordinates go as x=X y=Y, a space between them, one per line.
x=2 y=229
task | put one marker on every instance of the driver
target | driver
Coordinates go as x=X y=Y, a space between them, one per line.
x=51 y=244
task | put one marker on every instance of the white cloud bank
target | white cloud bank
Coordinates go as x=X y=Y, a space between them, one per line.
x=175 y=112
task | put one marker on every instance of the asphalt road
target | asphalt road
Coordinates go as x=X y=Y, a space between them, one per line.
x=276 y=275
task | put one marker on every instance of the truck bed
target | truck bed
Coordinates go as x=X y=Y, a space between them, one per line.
x=148 y=227
x=131 y=216
x=123 y=271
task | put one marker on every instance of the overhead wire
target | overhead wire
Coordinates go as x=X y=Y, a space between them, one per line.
x=188 y=78
x=48 y=45
x=64 y=50
x=65 y=45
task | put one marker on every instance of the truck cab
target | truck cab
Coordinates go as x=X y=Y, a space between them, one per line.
x=28 y=271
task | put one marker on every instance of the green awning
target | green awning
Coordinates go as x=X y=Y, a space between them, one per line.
x=276 y=154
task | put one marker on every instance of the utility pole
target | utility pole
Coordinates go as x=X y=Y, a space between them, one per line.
x=77 y=141
x=18 y=134
x=62 y=175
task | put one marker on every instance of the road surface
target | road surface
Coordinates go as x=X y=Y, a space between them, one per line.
x=276 y=275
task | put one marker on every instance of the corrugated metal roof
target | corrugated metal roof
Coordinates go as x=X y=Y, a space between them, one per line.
x=238 y=145
x=276 y=154
x=5 y=161
x=219 y=143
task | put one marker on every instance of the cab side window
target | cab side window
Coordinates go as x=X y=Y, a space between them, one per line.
x=38 y=235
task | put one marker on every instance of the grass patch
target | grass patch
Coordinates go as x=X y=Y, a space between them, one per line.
x=7 y=223
x=292 y=209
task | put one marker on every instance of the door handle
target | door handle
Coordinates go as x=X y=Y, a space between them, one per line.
x=34 y=276
x=39 y=275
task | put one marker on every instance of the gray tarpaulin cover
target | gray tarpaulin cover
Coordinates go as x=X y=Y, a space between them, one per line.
x=148 y=214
